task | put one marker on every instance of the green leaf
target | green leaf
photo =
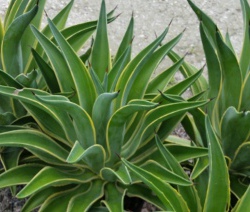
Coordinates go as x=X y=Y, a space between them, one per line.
x=11 y=47
x=213 y=67
x=126 y=41
x=47 y=72
x=36 y=142
x=114 y=198
x=143 y=76
x=189 y=194
x=164 y=173
x=161 y=81
x=235 y=130
x=171 y=199
x=101 y=114
x=81 y=120
x=121 y=174
x=60 y=67
x=128 y=77
x=241 y=158
x=182 y=86
x=28 y=38
x=88 y=156
x=117 y=123
x=95 y=192
x=152 y=120
x=245 y=53
x=230 y=95
x=50 y=176
x=40 y=198
x=208 y=22
x=80 y=74
x=100 y=56
x=218 y=184
x=21 y=174
x=59 y=201
x=243 y=204
x=188 y=70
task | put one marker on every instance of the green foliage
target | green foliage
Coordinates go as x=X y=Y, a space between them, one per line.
x=89 y=123
x=228 y=112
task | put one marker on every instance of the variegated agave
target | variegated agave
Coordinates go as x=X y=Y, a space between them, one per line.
x=224 y=121
x=90 y=116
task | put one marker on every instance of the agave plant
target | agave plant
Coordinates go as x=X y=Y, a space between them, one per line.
x=228 y=114
x=92 y=116
x=16 y=40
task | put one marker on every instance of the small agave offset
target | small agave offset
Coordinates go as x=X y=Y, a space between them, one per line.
x=92 y=128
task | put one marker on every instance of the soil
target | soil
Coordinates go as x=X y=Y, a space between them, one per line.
x=151 y=17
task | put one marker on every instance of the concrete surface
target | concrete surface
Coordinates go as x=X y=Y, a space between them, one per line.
x=151 y=16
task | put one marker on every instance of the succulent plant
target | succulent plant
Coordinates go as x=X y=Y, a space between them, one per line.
x=93 y=119
x=228 y=113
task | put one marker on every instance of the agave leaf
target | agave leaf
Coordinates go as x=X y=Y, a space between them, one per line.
x=128 y=78
x=39 y=198
x=188 y=70
x=208 y=22
x=58 y=63
x=200 y=165
x=59 y=201
x=21 y=174
x=232 y=122
x=241 y=158
x=80 y=74
x=100 y=56
x=237 y=187
x=126 y=41
x=115 y=198
x=182 y=86
x=188 y=193
x=88 y=156
x=9 y=80
x=245 y=53
x=36 y=142
x=81 y=120
x=160 y=82
x=230 y=95
x=44 y=197
x=164 y=173
x=116 y=125
x=95 y=192
x=50 y=176
x=101 y=113
x=11 y=47
x=10 y=159
x=214 y=69
x=167 y=194
x=245 y=105
x=183 y=153
x=154 y=118
x=117 y=68
x=47 y=72
x=56 y=120
x=142 y=78
x=16 y=9
x=28 y=80
x=122 y=174
x=1 y=39
x=59 y=20
x=143 y=192
x=218 y=174
x=28 y=38
x=243 y=203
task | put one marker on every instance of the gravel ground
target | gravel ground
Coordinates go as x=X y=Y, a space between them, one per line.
x=151 y=17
